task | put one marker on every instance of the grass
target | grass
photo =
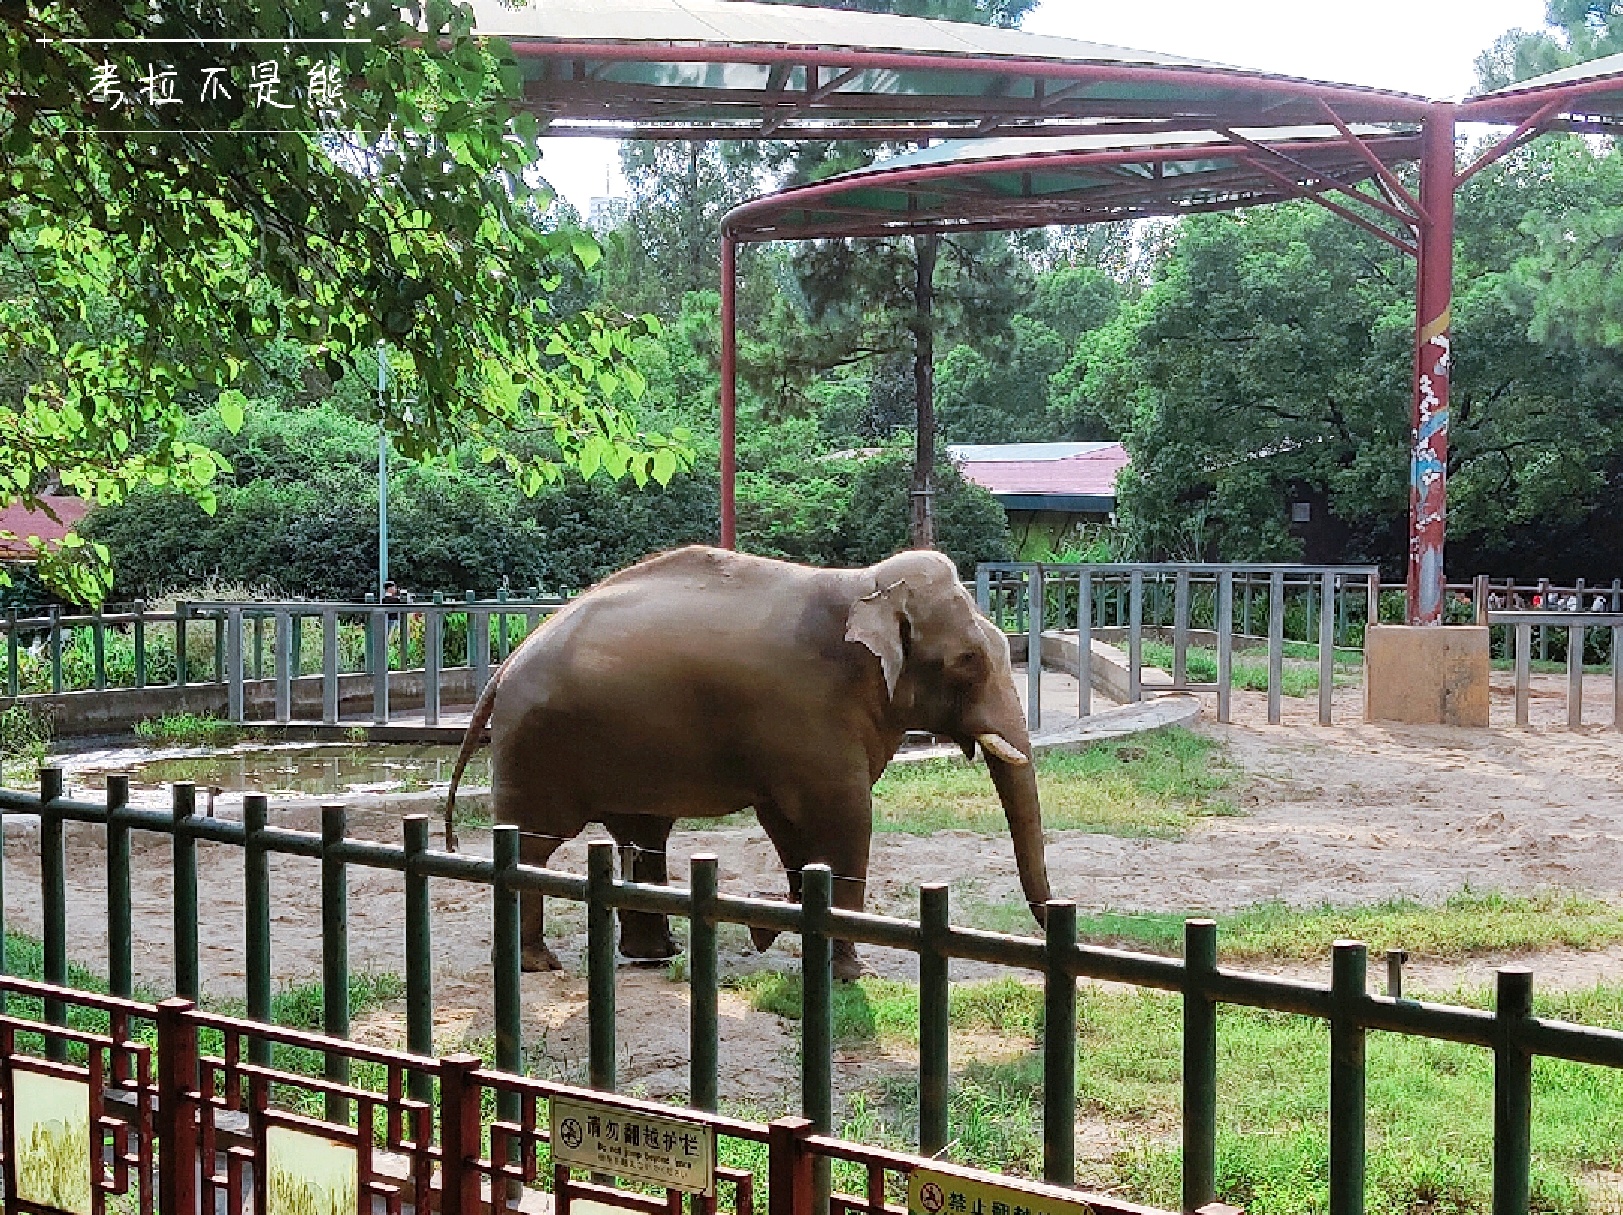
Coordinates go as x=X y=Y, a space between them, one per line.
x=1429 y=1111
x=1154 y=784
x=1249 y=674
x=25 y=739
x=1466 y=924
x=187 y=730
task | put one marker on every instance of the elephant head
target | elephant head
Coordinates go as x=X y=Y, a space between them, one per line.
x=946 y=670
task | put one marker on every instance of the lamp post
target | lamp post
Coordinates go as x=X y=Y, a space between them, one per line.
x=383 y=477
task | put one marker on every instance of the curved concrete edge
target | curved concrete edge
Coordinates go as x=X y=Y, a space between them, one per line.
x=1179 y=709
x=1155 y=714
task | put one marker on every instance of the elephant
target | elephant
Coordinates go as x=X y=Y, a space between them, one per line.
x=702 y=681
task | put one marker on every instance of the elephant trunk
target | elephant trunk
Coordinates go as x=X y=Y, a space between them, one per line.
x=1017 y=790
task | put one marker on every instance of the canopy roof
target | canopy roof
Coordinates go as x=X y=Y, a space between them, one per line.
x=1033 y=182
x=1584 y=97
x=739 y=70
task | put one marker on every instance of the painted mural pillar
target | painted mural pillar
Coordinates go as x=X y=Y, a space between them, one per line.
x=729 y=388
x=1428 y=468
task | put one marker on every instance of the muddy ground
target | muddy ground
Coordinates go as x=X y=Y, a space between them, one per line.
x=1351 y=813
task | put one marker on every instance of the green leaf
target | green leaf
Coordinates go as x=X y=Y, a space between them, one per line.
x=664 y=465
x=232 y=407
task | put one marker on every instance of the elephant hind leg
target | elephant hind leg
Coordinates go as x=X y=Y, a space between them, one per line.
x=535 y=955
x=644 y=935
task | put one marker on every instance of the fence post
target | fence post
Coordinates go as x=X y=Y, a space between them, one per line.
x=13 y=677
x=259 y=644
x=1575 y=676
x=256 y=919
x=1084 y=644
x=98 y=651
x=817 y=1015
x=983 y=590
x=329 y=666
x=1225 y=643
x=703 y=1016
x=934 y=1012
x=789 y=1167
x=1524 y=665
x=219 y=646
x=120 y=977
x=433 y=659
x=1543 y=633
x=1135 y=636
x=334 y=954
x=479 y=643
x=1180 y=628
x=600 y=1011
x=504 y=958
x=177 y=1124
x=419 y=956
x=1512 y=1093
x=282 y=664
x=183 y=851
x=1617 y=677
x=380 y=666
x=460 y=1132
x=1276 y=643
x=1479 y=599
x=1034 y=648
x=182 y=612
x=1199 y=1065
x=236 y=710
x=53 y=903
x=1327 y=647
x=1349 y=964
x=56 y=651
x=1059 y=1045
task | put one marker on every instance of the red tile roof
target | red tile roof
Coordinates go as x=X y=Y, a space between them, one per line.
x=1072 y=468
x=20 y=521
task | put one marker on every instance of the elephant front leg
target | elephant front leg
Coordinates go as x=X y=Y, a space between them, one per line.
x=644 y=935
x=532 y=914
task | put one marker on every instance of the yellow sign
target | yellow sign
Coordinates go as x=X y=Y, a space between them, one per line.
x=671 y=1152
x=933 y=1193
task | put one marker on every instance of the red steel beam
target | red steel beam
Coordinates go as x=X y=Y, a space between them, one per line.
x=729 y=388
x=741 y=217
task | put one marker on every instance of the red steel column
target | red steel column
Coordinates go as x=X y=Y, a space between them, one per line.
x=729 y=387
x=1429 y=435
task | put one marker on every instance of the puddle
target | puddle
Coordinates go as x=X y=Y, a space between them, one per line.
x=300 y=770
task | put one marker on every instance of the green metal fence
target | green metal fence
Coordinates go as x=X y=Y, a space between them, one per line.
x=232 y=643
x=1510 y=1031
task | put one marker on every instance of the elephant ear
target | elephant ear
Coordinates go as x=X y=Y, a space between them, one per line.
x=876 y=621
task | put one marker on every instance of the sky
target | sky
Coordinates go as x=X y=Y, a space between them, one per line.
x=1427 y=47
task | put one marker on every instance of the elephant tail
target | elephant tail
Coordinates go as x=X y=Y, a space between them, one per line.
x=470 y=743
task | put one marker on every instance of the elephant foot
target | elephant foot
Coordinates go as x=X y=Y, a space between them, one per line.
x=539 y=958
x=848 y=967
x=649 y=951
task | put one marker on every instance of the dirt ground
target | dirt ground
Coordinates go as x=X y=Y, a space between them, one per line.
x=1346 y=814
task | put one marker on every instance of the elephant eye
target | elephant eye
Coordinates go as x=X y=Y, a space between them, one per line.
x=966 y=663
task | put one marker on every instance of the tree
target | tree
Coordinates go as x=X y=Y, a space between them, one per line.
x=1575 y=32
x=148 y=268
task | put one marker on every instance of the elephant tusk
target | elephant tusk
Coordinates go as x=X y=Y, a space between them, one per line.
x=996 y=744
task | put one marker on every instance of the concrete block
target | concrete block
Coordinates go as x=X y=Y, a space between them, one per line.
x=1426 y=675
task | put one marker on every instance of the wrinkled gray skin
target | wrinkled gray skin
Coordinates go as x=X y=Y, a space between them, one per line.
x=701 y=682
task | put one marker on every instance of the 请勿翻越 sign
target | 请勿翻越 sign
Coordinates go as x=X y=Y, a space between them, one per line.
x=671 y=1152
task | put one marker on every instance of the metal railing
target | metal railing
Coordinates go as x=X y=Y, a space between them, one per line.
x=1577 y=626
x=1511 y=1031
x=233 y=643
x=1124 y=600
x=192 y=1111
